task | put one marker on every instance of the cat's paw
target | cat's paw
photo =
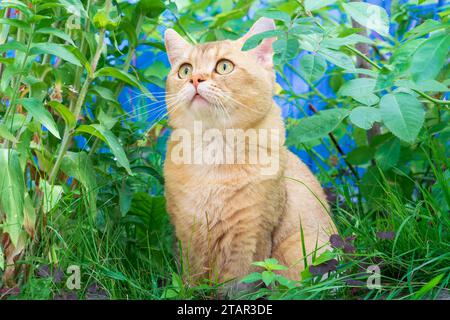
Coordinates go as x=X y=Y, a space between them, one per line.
x=235 y=289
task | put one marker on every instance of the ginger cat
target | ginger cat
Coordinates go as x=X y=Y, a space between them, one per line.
x=228 y=215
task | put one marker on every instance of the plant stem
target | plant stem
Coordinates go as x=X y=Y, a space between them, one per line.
x=77 y=109
x=125 y=68
x=338 y=148
x=436 y=101
x=309 y=83
x=302 y=110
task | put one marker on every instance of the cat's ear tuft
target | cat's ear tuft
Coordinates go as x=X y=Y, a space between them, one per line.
x=175 y=45
x=263 y=52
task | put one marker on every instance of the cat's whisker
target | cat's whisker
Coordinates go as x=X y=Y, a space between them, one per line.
x=243 y=105
x=158 y=108
x=226 y=112
x=162 y=116
x=156 y=96
x=140 y=92
x=143 y=107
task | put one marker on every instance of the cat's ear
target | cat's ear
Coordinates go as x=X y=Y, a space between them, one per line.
x=175 y=45
x=263 y=52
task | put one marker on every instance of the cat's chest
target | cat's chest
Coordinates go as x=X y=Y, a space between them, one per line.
x=211 y=190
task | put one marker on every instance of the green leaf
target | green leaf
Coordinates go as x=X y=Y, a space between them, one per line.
x=177 y=282
x=64 y=112
x=369 y=15
x=169 y=293
x=6 y=134
x=272 y=264
x=150 y=171
x=365 y=117
x=430 y=57
x=306 y=274
x=77 y=53
x=130 y=31
x=316 y=126
x=107 y=121
x=361 y=155
x=107 y=136
x=312 y=5
x=304 y=29
x=16 y=23
x=13 y=45
x=336 y=43
x=428 y=286
x=337 y=58
x=361 y=90
x=29 y=215
x=426 y=27
x=388 y=154
x=310 y=41
x=327 y=255
x=57 y=50
x=57 y=33
x=79 y=166
x=116 y=275
x=312 y=67
x=223 y=17
x=285 y=50
x=256 y=39
x=74 y=7
x=276 y=15
x=401 y=57
x=402 y=114
x=123 y=76
x=151 y=8
x=267 y=277
x=104 y=93
x=252 y=277
x=426 y=85
x=15 y=121
x=52 y=194
x=371 y=185
x=261 y=264
x=125 y=198
x=12 y=193
x=37 y=110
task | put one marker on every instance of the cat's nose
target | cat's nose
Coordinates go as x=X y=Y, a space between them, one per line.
x=196 y=79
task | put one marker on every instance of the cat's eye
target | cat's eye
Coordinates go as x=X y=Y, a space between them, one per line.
x=185 y=71
x=224 y=66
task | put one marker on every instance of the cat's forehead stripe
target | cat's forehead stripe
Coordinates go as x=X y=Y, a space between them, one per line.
x=208 y=53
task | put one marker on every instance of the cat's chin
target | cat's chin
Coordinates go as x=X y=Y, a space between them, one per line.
x=199 y=102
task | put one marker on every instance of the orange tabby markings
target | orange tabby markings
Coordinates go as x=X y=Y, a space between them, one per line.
x=227 y=215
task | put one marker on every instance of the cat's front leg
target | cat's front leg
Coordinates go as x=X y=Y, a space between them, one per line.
x=247 y=241
x=243 y=245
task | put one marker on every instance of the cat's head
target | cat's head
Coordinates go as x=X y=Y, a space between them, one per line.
x=218 y=83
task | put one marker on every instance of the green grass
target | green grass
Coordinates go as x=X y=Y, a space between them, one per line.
x=131 y=257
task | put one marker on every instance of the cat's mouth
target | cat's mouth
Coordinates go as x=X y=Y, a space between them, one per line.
x=198 y=98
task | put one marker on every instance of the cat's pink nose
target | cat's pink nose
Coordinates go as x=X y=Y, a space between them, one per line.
x=195 y=80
